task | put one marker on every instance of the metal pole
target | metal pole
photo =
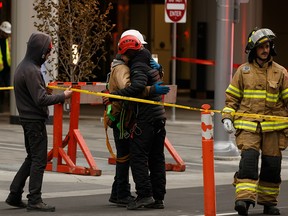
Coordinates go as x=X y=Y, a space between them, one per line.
x=173 y=116
x=224 y=62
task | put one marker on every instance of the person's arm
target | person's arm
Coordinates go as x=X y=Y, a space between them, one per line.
x=234 y=95
x=37 y=90
x=138 y=84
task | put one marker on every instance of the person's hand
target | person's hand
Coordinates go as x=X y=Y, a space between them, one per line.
x=49 y=91
x=106 y=101
x=228 y=125
x=68 y=93
x=159 y=89
x=154 y=64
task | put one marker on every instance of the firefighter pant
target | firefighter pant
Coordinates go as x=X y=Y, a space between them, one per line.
x=249 y=186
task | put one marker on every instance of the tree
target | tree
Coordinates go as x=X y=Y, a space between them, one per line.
x=79 y=29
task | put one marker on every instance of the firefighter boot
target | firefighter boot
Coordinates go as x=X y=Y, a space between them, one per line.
x=271 y=210
x=242 y=207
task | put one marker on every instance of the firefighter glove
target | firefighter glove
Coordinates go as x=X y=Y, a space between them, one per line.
x=228 y=125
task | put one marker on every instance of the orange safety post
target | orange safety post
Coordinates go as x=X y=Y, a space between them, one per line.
x=57 y=154
x=208 y=161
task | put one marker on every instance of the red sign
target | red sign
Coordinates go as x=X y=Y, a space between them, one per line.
x=175 y=11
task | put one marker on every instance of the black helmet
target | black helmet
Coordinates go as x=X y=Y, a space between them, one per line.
x=258 y=37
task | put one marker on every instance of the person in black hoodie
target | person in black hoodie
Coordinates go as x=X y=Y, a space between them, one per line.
x=147 y=157
x=32 y=101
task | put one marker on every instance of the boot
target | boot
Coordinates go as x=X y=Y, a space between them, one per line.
x=242 y=207
x=271 y=210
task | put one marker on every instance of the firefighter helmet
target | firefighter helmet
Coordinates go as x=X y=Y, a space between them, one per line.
x=129 y=42
x=258 y=37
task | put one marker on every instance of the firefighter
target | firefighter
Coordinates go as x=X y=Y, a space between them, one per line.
x=259 y=86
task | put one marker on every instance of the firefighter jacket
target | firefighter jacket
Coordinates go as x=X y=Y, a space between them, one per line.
x=257 y=90
x=5 y=57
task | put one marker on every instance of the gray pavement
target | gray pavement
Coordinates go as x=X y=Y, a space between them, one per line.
x=88 y=195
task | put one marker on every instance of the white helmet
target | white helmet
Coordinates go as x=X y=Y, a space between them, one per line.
x=134 y=33
x=6 y=27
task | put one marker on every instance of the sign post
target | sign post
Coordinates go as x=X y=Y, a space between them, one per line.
x=175 y=12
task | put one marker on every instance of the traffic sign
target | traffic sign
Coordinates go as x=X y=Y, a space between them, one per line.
x=175 y=11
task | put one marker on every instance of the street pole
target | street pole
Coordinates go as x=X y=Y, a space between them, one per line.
x=223 y=146
x=173 y=116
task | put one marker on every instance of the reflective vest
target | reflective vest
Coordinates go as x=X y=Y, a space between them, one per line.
x=8 y=56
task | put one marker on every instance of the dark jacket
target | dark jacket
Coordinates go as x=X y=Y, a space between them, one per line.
x=32 y=99
x=142 y=75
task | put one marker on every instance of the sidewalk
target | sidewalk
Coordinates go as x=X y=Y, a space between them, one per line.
x=88 y=195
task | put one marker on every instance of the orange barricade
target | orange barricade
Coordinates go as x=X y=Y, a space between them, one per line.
x=58 y=154
x=179 y=166
x=208 y=161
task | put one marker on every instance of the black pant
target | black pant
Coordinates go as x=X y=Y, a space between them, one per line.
x=121 y=185
x=35 y=135
x=148 y=159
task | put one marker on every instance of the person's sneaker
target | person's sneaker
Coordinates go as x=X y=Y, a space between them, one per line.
x=242 y=207
x=158 y=204
x=140 y=202
x=40 y=207
x=18 y=204
x=125 y=201
x=271 y=210
x=113 y=199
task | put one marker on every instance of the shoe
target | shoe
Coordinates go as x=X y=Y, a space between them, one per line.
x=158 y=204
x=125 y=201
x=40 y=207
x=242 y=207
x=18 y=204
x=113 y=199
x=140 y=202
x=271 y=210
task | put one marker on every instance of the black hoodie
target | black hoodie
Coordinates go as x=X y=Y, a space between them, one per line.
x=32 y=100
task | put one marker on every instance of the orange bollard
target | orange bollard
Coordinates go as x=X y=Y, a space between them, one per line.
x=208 y=161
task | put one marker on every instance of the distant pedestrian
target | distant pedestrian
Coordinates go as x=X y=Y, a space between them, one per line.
x=260 y=87
x=32 y=100
x=5 y=59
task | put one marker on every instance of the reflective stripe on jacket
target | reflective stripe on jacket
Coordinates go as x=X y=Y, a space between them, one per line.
x=8 y=57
